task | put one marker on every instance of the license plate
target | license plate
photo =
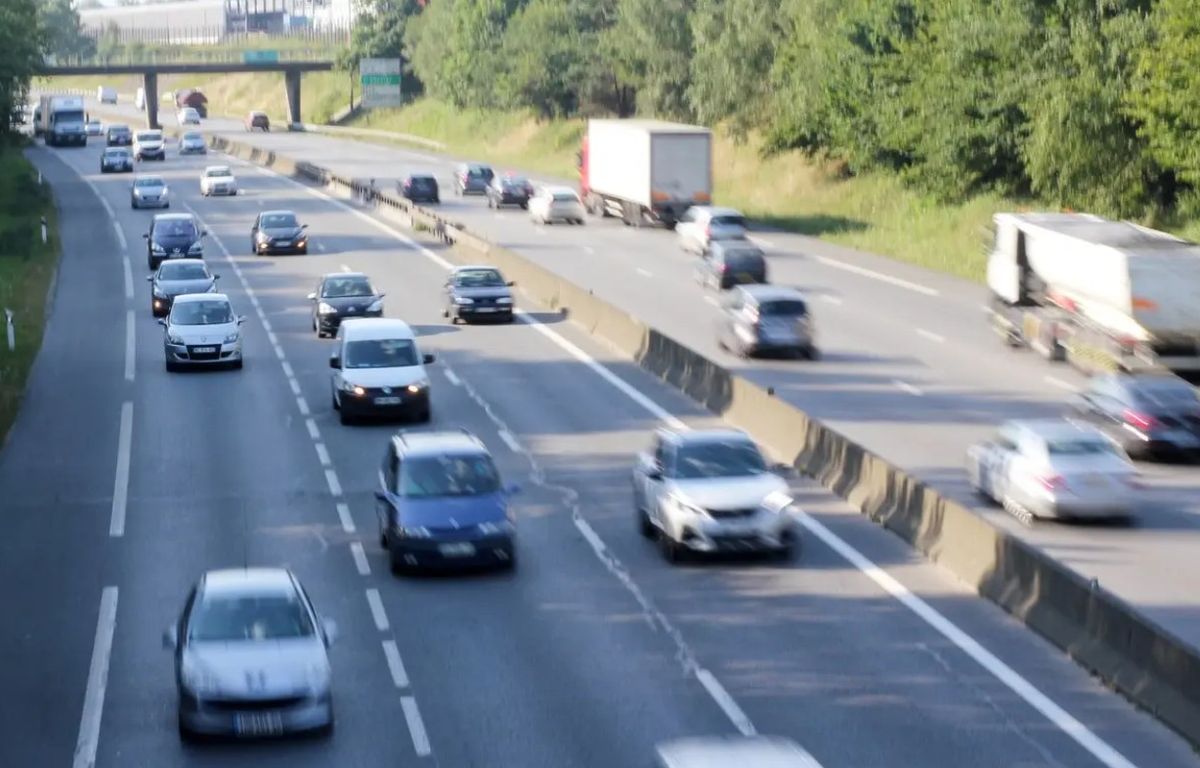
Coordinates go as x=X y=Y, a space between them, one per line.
x=387 y=401
x=258 y=723
x=204 y=350
x=461 y=549
x=485 y=309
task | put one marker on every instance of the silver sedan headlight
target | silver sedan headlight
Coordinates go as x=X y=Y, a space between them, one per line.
x=195 y=247
x=463 y=300
x=232 y=338
x=175 y=339
x=198 y=680
x=376 y=306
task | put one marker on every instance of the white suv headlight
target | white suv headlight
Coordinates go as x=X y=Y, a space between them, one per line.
x=233 y=337
x=418 y=385
x=504 y=300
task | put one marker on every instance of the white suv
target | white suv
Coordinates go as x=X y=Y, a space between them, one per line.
x=378 y=371
x=149 y=145
x=702 y=224
x=218 y=180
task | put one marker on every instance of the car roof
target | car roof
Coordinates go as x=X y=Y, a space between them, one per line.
x=278 y=212
x=191 y=298
x=257 y=113
x=150 y=177
x=700 y=436
x=1055 y=429
x=201 y=262
x=471 y=267
x=762 y=292
x=173 y=217
x=331 y=275
x=246 y=581
x=374 y=328
x=437 y=442
x=217 y=168
x=749 y=751
x=1134 y=379
x=113 y=126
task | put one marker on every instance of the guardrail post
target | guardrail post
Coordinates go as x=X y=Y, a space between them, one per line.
x=12 y=333
x=45 y=233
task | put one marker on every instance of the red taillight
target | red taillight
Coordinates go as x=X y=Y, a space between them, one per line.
x=1141 y=421
x=1053 y=482
x=708 y=231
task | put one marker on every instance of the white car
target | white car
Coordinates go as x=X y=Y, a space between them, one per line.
x=702 y=224
x=218 y=180
x=551 y=204
x=192 y=143
x=711 y=491
x=378 y=371
x=93 y=127
x=149 y=145
x=1054 y=468
x=188 y=116
x=740 y=751
x=202 y=330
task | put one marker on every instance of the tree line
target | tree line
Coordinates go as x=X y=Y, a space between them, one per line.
x=1090 y=104
x=31 y=30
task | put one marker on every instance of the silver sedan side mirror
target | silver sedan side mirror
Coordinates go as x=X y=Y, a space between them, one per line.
x=170 y=637
x=329 y=629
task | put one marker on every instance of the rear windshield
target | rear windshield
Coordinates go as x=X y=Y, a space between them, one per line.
x=1079 y=447
x=729 y=221
x=278 y=220
x=516 y=182
x=431 y=476
x=381 y=353
x=224 y=619
x=565 y=197
x=201 y=313
x=743 y=258
x=423 y=182
x=176 y=271
x=1168 y=396
x=347 y=287
x=485 y=173
x=788 y=307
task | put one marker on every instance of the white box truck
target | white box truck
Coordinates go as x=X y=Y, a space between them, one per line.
x=645 y=171
x=61 y=121
x=106 y=94
x=1104 y=295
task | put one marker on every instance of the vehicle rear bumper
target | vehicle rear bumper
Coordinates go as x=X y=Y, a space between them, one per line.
x=204 y=718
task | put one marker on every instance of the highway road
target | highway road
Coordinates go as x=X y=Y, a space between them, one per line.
x=121 y=483
x=911 y=369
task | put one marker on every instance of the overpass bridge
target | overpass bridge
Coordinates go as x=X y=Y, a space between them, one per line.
x=292 y=71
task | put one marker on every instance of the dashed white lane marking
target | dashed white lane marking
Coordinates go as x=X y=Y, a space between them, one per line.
x=302 y=404
x=360 y=558
x=828 y=299
x=346 y=269
x=128 y=276
x=452 y=377
x=644 y=272
x=510 y=441
x=725 y=702
x=343 y=511
x=931 y=336
x=395 y=664
x=878 y=276
x=279 y=352
x=116 y=525
x=909 y=388
x=322 y=454
x=378 y=615
x=112 y=216
x=416 y=727
x=1054 y=381
x=295 y=385
x=313 y=432
x=287 y=369
x=271 y=337
x=712 y=300
x=335 y=488
x=130 y=346
x=97 y=683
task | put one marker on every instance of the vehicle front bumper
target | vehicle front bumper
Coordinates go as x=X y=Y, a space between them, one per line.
x=221 y=718
x=497 y=549
x=295 y=246
x=331 y=323
x=197 y=150
x=158 y=202
x=499 y=312
x=153 y=154
x=227 y=353
x=409 y=404
x=762 y=532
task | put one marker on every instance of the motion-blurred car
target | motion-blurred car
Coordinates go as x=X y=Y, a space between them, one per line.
x=251 y=656
x=173 y=236
x=552 y=204
x=700 y=225
x=379 y=371
x=201 y=329
x=116 y=160
x=192 y=143
x=766 y=320
x=509 y=190
x=473 y=179
x=441 y=503
x=178 y=277
x=118 y=136
x=711 y=491
x=478 y=293
x=258 y=120
x=734 y=752
x=342 y=295
x=1149 y=415
x=149 y=145
x=187 y=116
x=1054 y=469
x=218 y=180
x=93 y=128
x=278 y=232
x=420 y=188
x=731 y=262
x=149 y=192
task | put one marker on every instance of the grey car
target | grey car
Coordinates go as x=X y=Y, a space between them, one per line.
x=727 y=263
x=149 y=192
x=766 y=320
x=1150 y=415
x=251 y=656
x=192 y=143
x=178 y=277
x=202 y=330
x=478 y=293
x=473 y=179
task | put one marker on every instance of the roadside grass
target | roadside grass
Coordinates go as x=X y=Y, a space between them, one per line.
x=26 y=269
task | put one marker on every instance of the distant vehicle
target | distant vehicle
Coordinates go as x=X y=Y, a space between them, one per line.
x=1150 y=415
x=251 y=656
x=420 y=188
x=342 y=295
x=149 y=145
x=1054 y=468
x=278 y=232
x=192 y=143
x=731 y=262
x=711 y=491
x=187 y=116
x=139 y=99
x=378 y=371
x=441 y=503
x=703 y=225
x=473 y=178
x=173 y=236
x=478 y=293
x=202 y=330
x=766 y=319
x=645 y=171
x=218 y=180
x=118 y=136
x=193 y=98
x=258 y=120
x=93 y=128
x=106 y=95
x=552 y=204
x=116 y=160
x=61 y=119
x=509 y=190
x=149 y=192
x=178 y=277
x=734 y=752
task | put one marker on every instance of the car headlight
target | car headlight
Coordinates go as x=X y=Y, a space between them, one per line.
x=418 y=386
x=232 y=338
x=353 y=388
x=261 y=236
x=318 y=679
x=195 y=247
x=504 y=300
x=491 y=529
x=376 y=306
x=688 y=508
x=198 y=680
x=156 y=248
x=174 y=339
x=212 y=287
x=463 y=300
x=325 y=309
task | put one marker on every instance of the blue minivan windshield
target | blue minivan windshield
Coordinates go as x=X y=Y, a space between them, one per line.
x=432 y=476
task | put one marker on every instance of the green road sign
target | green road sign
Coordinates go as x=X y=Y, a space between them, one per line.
x=260 y=57
x=393 y=80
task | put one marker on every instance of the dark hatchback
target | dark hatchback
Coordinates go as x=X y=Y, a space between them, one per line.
x=420 y=188
x=116 y=160
x=342 y=295
x=1151 y=415
x=509 y=190
x=173 y=236
x=478 y=293
x=766 y=320
x=118 y=136
x=473 y=179
x=727 y=263
x=278 y=232
x=440 y=503
x=176 y=278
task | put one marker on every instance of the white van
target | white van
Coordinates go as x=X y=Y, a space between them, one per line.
x=139 y=100
x=106 y=95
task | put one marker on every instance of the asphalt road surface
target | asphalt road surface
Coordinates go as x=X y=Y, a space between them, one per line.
x=121 y=483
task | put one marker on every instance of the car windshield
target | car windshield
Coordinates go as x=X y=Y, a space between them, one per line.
x=428 y=476
x=225 y=619
x=170 y=271
x=719 y=459
x=565 y=197
x=201 y=313
x=381 y=353
x=192 y=137
x=149 y=181
x=149 y=136
x=211 y=172
x=118 y=129
x=115 y=153
x=729 y=221
x=783 y=308
x=347 y=287
x=175 y=228
x=1078 y=446
x=278 y=221
x=479 y=278
x=93 y=122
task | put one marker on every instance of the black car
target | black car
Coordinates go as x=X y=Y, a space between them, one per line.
x=478 y=293
x=509 y=190
x=116 y=160
x=765 y=320
x=118 y=136
x=420 y=188
x=1151 y=415
x=173 y=236
x=177 y=277
x=727 y=263
x=340 y=295
x=278 y=232
x=473 y=179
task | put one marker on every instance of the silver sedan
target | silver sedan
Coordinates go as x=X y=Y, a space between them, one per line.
x=251 y=656
x=202 y=330
x=149 y=192
x=742 y=751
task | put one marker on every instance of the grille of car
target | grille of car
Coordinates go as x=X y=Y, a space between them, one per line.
x=242 y=705
x=722 y=514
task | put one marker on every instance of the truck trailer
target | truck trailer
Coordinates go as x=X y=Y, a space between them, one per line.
x=61 y=121
x=645 y=171
x=1103 y=295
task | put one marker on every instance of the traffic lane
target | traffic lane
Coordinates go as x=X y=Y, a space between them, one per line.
x=225 y=475
x=56 y=481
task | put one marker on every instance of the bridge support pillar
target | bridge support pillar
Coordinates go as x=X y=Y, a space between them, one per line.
x=291 y=81
x=150 y=85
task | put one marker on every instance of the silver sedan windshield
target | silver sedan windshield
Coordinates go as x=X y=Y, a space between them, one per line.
x=273 y=617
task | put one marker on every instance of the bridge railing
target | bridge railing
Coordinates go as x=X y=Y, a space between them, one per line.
x=191 y=55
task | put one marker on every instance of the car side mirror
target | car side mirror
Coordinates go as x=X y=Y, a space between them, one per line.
x=329 y=629
x=380 y=495
x=512 y=489
x=170 y=638
x=427 y=359
x=204 y=233
x=649 y=466
x=145 y=235
x=162 y=321
x=216 y=277
x=511 y=283
x=312 y=297
x=241 y=319
x=149 y=278
x=335 y=361
x=380 y=295
x=303 y=226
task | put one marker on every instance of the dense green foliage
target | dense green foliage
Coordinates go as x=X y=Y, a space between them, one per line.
x=20 y=51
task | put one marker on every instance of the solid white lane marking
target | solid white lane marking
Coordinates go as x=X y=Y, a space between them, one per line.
x=302 y=404
x=1054 y=381
x=725 y=702
x=416 y=727
x=321 y=247
x=909 y=388
x=331 y=478
x=121 y=237
x=360 y=558
x=343 y=511
x=878 y=276
x=322 y=454
x=112 y=216
x=271 y=337
x=266 y=324
x=313 y=432
x=287 y=369
x=97 y=683
x=346 y=269
x=116 y=526
x=130 y=346
x=644 y=272
x=378 y=615
x=295 y=385
x=712 y=300
x=395 y=664
x=510 y=441
x=828 y=299
x=128 y=276
x=452 y=377
x=934 y=337
x=279 y=352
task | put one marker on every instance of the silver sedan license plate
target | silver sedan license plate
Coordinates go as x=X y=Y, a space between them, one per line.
x=258 y=723
x=387 y=401
x=204 y=350
x=485 y=309
x=458 y=549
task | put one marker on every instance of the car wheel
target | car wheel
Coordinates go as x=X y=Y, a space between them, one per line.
x=455 y=319
x=812 y=353
x=645 y=526
x=186 y=735
x=424 y=416
x=671 y=549
x=396 y=564
x=237 y=364
x=171 y=367
x=166 y=205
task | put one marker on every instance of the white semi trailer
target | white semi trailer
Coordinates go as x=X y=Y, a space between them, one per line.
x=1101 y=294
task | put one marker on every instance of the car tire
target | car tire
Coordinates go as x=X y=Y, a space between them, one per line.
x=671 y=550
x=395 y=564
x=238 y=364
x=186 y=735
x=302 y=251
x=425 y=416
x=166 y=205
x=645 y=526
x=172 y=367
x=812 y=353
x=344 y=417
x=333 y=401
